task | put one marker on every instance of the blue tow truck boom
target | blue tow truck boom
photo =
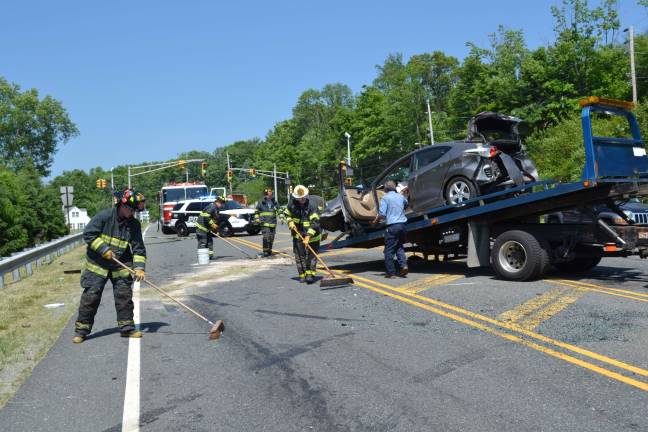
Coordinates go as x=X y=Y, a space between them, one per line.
x=504 y=229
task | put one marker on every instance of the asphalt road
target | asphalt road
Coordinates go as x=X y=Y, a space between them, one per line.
x=446 y=349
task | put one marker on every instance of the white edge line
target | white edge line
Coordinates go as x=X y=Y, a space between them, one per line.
x=131 y=413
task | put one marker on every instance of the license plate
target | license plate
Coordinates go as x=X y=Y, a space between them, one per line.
x=643 y=235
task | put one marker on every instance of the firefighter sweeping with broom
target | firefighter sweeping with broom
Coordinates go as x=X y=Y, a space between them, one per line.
x=208 y=221
x=112 y=233
x=303 y=221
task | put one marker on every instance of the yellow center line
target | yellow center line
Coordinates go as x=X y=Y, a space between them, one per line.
x=412 y=298
x=549 y=351
x=527 y=308
x=589 y=285
x=343 y=251
x=427 y=282
x=602 y=290
x=513 y=327
x=533 y=321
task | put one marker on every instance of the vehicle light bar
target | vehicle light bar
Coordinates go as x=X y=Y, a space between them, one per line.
x=597 y=100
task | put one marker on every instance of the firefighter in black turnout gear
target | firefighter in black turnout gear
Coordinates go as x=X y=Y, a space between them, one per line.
x=303 y=216
x=207 y=224
x=266 y=215
x=112 y=233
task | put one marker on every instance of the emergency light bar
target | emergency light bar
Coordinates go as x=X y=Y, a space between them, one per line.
x=597 y=100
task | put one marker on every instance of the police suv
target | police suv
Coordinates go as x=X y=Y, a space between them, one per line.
x=234 y=217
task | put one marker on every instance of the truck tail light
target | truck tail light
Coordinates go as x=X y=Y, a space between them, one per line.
x=493 y=152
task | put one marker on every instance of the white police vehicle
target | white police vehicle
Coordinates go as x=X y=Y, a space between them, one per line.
x=234 y=217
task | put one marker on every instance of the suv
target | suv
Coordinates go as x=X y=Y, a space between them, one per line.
x=234 y=217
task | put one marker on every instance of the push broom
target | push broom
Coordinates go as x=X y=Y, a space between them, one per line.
x=217 y=327
x=332 y=280
x=232 y=244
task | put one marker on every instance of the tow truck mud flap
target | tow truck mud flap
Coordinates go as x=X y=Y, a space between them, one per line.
x=478 y=245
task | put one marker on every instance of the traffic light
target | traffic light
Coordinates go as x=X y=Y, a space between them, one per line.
x=348 y=181
x=104 y=184
x=230 y=174
x=98 y=183
x=181 y=163
x=203 y=167
x=252 y=172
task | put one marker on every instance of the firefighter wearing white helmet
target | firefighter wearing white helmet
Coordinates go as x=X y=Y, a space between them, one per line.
x=303 y=218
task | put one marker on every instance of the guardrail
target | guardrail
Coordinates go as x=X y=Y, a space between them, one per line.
x=38 y=256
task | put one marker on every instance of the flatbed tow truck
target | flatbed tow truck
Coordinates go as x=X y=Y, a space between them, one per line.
x=505 y=230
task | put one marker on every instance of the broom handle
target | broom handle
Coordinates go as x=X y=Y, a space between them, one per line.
x=314 y=253
x=161 y=291
x=228 y=242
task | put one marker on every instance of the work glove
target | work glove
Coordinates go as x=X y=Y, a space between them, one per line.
x=214 y=226
x=306 y=240
x=291 y=225
x=108 y=255
x=139 y=274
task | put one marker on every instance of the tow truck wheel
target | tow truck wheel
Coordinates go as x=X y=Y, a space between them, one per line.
x=458 y=190
x=519 y=256
x=578 y=264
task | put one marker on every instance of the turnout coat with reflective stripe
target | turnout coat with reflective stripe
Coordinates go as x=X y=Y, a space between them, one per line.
x=122 y=236
x=267 y=212
x=208 y=218
x=306 y=218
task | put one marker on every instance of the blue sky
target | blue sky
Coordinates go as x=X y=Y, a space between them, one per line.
x=146 y=80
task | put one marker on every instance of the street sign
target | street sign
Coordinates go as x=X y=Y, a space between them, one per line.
x=67 y=195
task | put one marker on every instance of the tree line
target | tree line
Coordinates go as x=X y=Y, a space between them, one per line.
x=388 y=117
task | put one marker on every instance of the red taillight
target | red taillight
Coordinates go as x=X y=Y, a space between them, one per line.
x=167 y=215
x=166 y=212
x=493 y=152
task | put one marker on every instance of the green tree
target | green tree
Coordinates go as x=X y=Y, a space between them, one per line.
x=31 y=128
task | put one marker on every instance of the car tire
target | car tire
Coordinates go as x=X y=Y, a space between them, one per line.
x=579 y=264
x=459 y=189
x=225 y=230
x=254 y=231
x=167 y=230
x=182 y=230
x=519 y=256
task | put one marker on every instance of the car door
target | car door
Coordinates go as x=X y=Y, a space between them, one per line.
x=428 y=173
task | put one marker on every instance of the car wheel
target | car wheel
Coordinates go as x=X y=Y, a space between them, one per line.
x=167 y=230
x=225 y=230
x=519 y=256
x=458 y=190
x=182 y=230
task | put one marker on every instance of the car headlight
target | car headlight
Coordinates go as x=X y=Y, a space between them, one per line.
x=629 y=214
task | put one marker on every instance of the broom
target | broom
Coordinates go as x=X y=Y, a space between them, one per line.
x=217 y=328
x=332 y=280
x=232 y=244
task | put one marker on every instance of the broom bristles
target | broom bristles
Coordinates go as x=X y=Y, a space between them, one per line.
x=216 y=330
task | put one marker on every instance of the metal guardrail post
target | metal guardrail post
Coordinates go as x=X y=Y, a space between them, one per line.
x=39 y=255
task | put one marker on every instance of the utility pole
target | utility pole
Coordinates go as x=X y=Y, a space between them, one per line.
x=633 y=74
x=187 y=174
x=430 y=121
x=274 y=175
x=228 y=169
x=348 y=137
x=129 y=175
x=112 y=180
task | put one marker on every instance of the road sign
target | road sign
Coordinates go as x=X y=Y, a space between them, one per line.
x=67 y=195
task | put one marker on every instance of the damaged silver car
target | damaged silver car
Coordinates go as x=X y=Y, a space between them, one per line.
x=491 y=158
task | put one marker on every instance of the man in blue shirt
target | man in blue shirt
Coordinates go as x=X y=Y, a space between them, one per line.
x=392 y=210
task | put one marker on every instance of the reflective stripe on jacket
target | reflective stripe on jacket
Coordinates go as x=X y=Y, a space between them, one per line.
x=267 y=212
x=306 y=219
x=208 y=218
x=123 y=236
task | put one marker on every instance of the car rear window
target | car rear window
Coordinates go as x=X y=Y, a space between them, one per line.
x=178 y=206
x=195 y=206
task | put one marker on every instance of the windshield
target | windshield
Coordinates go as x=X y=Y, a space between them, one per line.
x=232 y=205
x=196 y=192
x=169 y=195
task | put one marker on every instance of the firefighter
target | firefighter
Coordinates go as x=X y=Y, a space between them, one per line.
x=303 y=217
x=266 y=215
x=208 y=221
x=112 y=233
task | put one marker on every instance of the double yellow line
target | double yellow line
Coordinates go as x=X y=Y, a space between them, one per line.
x=512 y=332
x=584 y=286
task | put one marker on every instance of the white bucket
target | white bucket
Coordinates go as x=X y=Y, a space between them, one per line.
x=203 y=256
